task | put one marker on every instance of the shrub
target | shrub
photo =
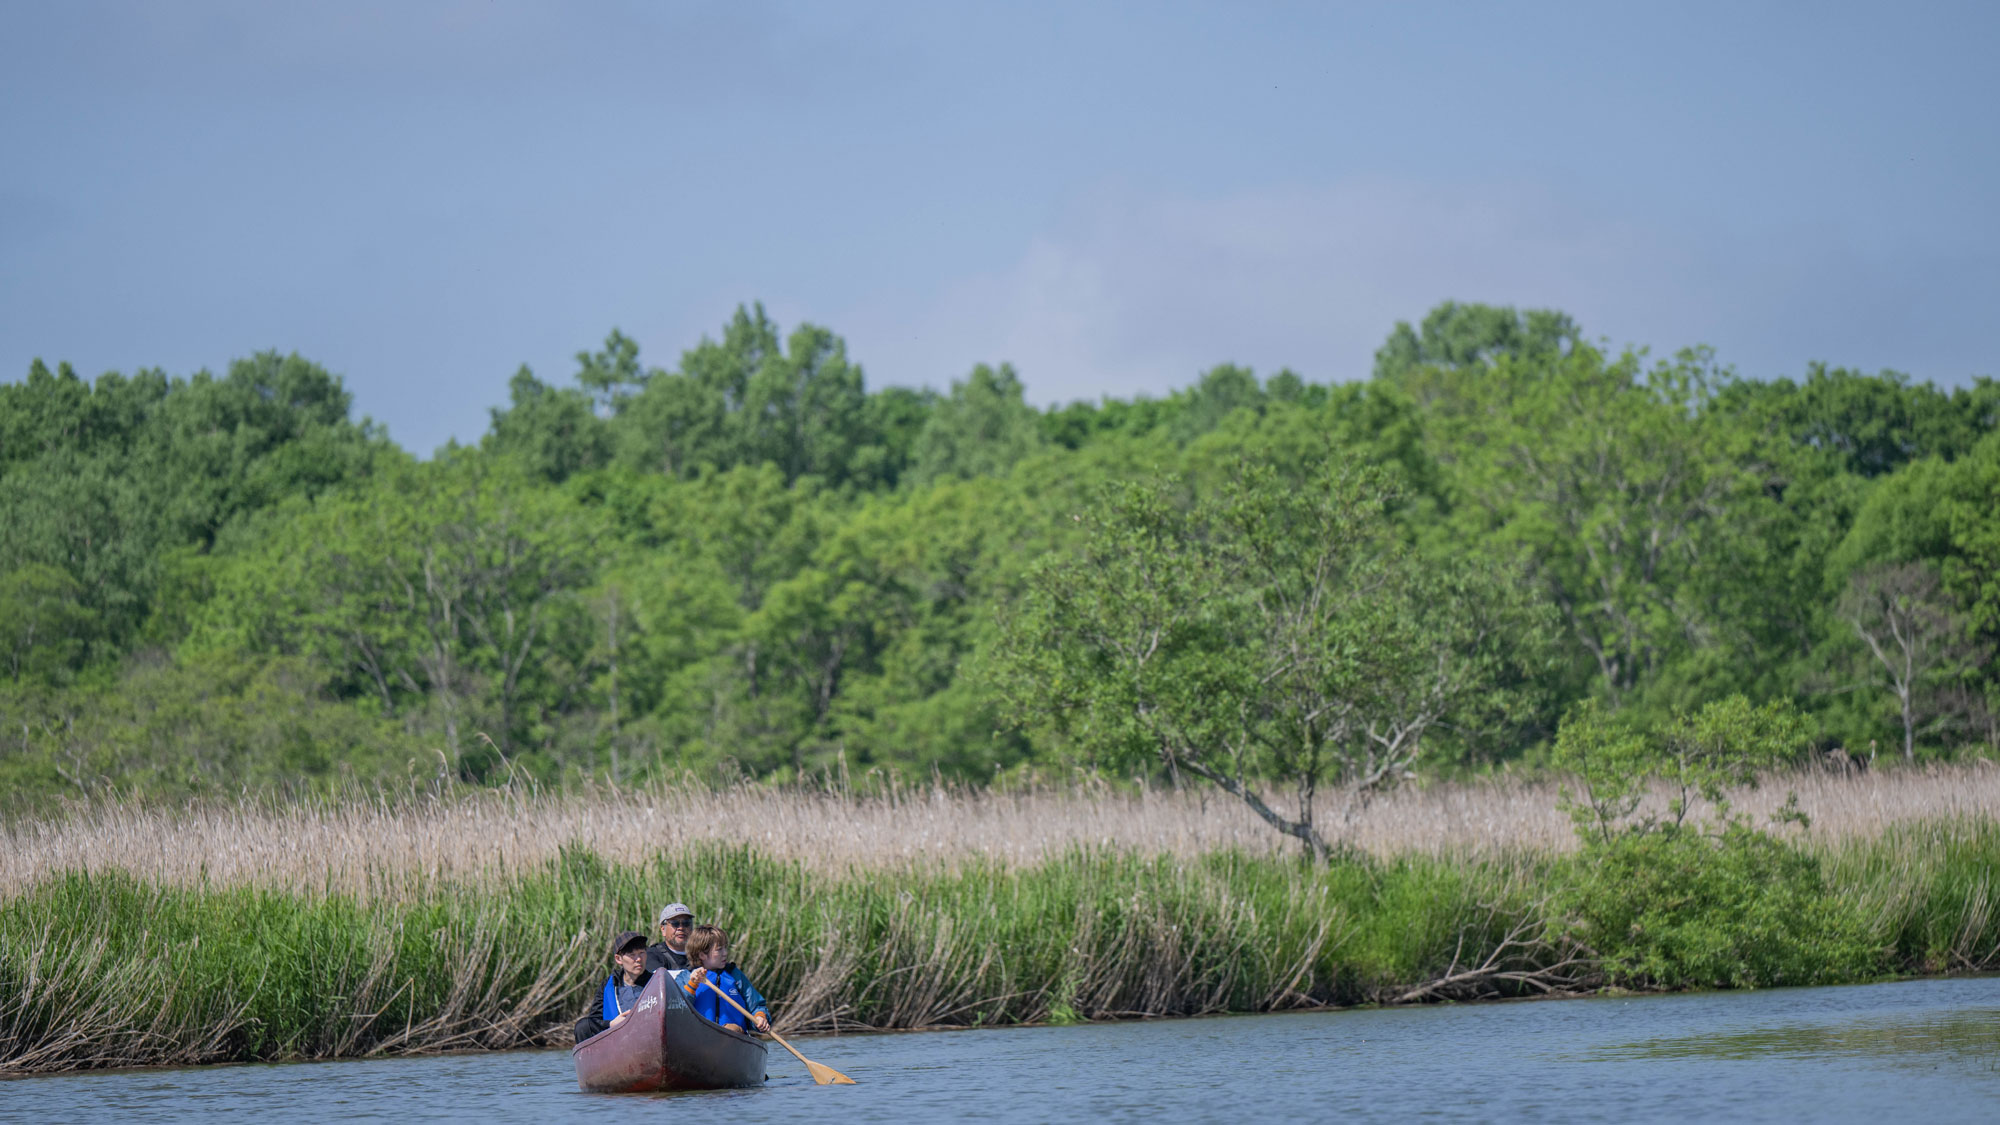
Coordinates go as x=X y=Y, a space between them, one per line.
x=1737 y=910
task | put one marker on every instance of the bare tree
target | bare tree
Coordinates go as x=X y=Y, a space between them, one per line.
x=1913 y=633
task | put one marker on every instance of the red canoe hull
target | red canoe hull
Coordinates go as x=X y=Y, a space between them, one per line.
x=663 y=1045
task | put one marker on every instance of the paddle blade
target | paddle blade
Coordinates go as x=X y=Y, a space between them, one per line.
x=826 y=1075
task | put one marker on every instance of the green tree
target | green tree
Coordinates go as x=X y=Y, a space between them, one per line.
x=803 y=411
x=105 y=482
x=1608 y=479
x=733 y=539
x=451 y=588
x=745 y=400
x=78 y=514
x=1871 y=425
x=981 y=429
x=894 y=420
x=44 y=624
x=1455 y=335
x=1272 y=633
x=1221 y=391
x=612 y=376
x=936 y=561
x=676 y=426
x=550 y=431
x=1696 y=755
x=213 y=725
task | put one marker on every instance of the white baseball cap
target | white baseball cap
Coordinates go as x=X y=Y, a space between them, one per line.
x=674 y=910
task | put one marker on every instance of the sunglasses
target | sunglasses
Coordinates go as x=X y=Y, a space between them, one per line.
x=678 y=923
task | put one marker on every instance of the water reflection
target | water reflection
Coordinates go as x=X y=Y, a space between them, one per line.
x=1967 y=1035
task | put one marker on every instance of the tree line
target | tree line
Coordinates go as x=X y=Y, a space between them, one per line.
x=753 y=564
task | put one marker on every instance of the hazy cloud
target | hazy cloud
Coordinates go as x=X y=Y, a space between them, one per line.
x=1133 y=294
x=422 y=194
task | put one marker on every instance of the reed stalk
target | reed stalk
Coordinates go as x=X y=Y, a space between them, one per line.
x=108 y=967
x=402 y=845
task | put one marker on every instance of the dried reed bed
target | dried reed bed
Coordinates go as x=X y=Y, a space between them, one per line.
x=377 y=847
x=480 y=925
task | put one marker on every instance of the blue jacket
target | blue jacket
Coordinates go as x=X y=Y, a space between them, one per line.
x=712 y=1007
x=756 y=1002
x=658 y=957
x=612 y=1008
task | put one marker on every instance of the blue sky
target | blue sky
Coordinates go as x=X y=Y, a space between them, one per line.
x=423 y=195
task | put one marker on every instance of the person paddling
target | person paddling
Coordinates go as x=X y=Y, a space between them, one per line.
x=709 y=949
x=671 y=952
x=621 y=989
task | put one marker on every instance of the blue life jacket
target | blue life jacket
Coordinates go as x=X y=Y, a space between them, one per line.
x=713 y=1008
x=618 y=997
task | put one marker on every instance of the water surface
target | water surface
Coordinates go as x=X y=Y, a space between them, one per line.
x=1916 y=1050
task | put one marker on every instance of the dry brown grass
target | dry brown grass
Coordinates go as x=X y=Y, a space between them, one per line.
x=374 y=848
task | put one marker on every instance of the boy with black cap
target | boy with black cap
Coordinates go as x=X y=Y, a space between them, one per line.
x=621 y=989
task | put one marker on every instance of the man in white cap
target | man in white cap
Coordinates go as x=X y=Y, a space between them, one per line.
x=670 y=952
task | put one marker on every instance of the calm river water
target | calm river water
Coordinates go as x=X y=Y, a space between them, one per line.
x=1917 y=1050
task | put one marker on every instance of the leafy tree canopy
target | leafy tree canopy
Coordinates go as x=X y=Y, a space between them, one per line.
x=751 y=563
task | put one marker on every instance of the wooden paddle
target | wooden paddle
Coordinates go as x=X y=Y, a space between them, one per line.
x=822 y=1074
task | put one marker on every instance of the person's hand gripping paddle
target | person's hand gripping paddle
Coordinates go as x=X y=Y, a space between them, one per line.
x=822 y=1074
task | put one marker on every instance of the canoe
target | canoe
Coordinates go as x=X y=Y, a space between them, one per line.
x=664 y=1045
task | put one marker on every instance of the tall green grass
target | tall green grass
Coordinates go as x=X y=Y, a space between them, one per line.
x=101 y=970
x=1927 y=893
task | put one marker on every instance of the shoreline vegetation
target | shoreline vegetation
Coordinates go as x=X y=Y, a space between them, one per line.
x=424 y=926
x=1446 y=683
